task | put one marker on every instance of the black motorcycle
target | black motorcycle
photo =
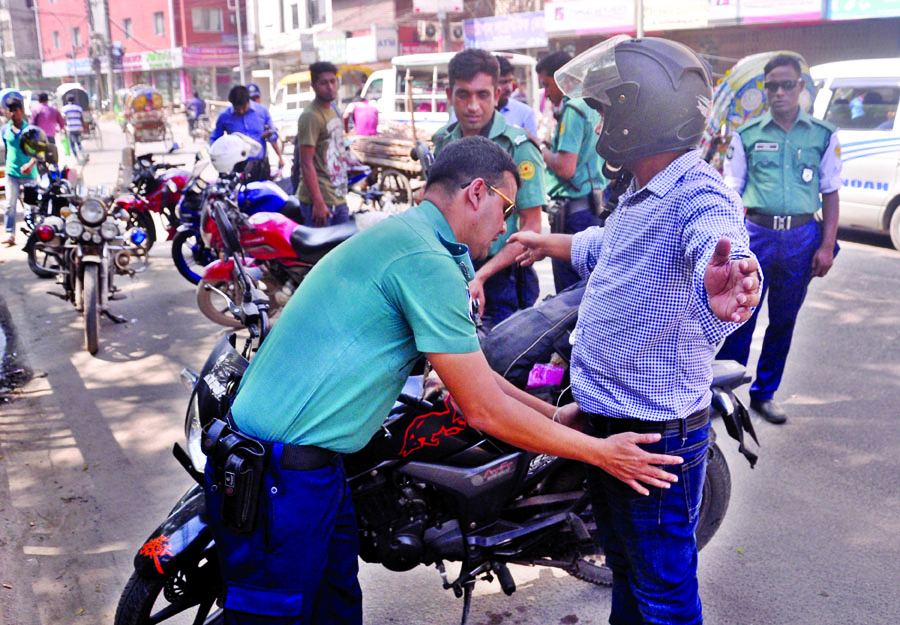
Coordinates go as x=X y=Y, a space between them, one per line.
x=427 y=488
x=48 y=201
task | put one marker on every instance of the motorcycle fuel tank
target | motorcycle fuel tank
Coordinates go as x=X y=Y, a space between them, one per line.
x=261 y=196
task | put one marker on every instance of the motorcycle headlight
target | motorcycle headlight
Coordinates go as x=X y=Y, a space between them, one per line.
x=193 y=432
x=92 y=212
x=97 y=238
x=73 y=229
x=109 y=230
x=86 y=236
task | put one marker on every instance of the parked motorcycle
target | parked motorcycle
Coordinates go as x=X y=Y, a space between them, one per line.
x=278 y=251
x=427 y=489
x=155 y=188
x=49 y=199
x=189 y=253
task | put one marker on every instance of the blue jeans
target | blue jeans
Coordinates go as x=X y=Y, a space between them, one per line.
x=649 y=541
x=13 y=189
x=785 y=257
x=510 y=289
x=299 y=566
x=75 y=143
x=339 y=214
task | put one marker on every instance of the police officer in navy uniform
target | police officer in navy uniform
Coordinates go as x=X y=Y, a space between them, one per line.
x=500 y=285
x=782 y=163
x=574 y=169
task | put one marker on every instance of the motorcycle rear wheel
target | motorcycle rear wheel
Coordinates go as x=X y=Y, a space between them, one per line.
x=190 y=255
x=214 y=307
x=142 y=594
x=92 y=308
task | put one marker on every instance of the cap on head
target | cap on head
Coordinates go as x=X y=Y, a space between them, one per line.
x=253 y=89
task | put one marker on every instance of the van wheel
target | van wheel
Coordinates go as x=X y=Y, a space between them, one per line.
x=895 y=228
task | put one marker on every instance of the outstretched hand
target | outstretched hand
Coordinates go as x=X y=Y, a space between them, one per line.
x=732 y=286
x=623 y=459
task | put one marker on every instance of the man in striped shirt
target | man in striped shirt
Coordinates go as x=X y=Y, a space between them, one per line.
x=74 y=116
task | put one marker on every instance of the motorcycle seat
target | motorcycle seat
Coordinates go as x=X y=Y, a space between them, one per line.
x=291 y=209
x=306 y=240
x=728 y=373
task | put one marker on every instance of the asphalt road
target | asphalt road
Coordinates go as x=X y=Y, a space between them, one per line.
x=812 y=535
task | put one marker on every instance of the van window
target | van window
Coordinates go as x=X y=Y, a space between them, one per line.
x=426 y=95
x=863 y=107
x=375 y=89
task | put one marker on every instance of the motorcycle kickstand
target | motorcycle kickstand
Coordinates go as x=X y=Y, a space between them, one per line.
x=467 y=600
x=115 y=318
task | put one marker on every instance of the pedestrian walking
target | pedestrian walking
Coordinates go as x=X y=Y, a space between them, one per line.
x=19 y=166
x=500 y=286
x=323 y=155
x=321 y=385
x=196 y=108
x=574 y=169
x=785 y=164
x=669 y=275
x=47 y=118
x=74 y=116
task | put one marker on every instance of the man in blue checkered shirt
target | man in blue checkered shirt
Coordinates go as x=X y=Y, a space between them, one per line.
x=669 y=276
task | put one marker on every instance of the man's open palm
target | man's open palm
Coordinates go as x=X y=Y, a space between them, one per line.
x=732 y=286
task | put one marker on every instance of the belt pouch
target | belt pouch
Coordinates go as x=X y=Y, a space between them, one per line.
x=239 y=463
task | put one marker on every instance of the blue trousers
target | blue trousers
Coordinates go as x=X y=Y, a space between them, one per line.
x=785 y=257
x=649 y=540
x=299 y=566
x=510 y=289
x=564 y=275
x=340 y=214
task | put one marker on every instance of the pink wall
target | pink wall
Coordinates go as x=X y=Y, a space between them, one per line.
x=184 y=27
x=62 y=16
x=142 y=24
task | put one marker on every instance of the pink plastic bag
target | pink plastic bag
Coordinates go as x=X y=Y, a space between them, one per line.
x=545 y=375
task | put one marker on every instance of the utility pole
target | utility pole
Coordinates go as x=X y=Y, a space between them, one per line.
x=235 y=5
x=110 y=76
x=3 y=54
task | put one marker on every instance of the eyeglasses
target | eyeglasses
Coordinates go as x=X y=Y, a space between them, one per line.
x=787 y=85
x=509 y=210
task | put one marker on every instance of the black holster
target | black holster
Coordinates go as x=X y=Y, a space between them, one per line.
x=239 y=463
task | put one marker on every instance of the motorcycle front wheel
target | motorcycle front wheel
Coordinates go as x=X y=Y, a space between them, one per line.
x=190 y=255
x=41 y=262
x=142 y=219
x=92 y=308
x=214 y=307
x=148 y=600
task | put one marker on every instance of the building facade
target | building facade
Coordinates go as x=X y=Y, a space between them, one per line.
x=20 y=53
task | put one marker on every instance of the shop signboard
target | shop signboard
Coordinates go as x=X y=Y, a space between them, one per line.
x=668 y=15
x=66 y=67
x=332 y=47
x=506 y=32
x=209 y=56
x=386 y=42
x=378 y=43
x=153 y=60
x=751 y=11
x=584 y=17
x=437 y=6
x=854 y=9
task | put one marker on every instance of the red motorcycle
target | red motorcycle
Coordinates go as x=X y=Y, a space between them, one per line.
x=155 y=188
x=274 y=250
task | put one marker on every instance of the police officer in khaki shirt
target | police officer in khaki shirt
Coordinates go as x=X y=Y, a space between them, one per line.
x=782 y=163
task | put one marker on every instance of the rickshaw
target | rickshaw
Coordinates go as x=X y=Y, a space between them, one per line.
x=145 y=120
x=91 y=130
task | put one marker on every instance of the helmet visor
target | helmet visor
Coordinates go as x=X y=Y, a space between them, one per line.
x=591 y=73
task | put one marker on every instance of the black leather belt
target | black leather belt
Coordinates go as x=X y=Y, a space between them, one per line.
x=306 y=457
x=611 y=425
x=779 y=222
x=574 y=204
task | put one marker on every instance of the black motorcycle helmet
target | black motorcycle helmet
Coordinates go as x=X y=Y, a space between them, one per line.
x=34 y=143
x=654 y=95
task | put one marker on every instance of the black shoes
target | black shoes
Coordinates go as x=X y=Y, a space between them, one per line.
x=769 y=410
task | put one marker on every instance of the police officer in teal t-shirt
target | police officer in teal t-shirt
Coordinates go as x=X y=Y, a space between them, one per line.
x=324 y=383
x=19 y=166
x=574 y=169
x=500 y=285
x=782 y=163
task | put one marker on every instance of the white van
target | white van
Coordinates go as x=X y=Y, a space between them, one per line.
x=861 y=99
x=428 y=82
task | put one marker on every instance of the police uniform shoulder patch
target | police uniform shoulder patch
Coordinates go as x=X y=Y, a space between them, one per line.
x=526 y=170
x=562 y=128
x=837 y=150
x=520 y=139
